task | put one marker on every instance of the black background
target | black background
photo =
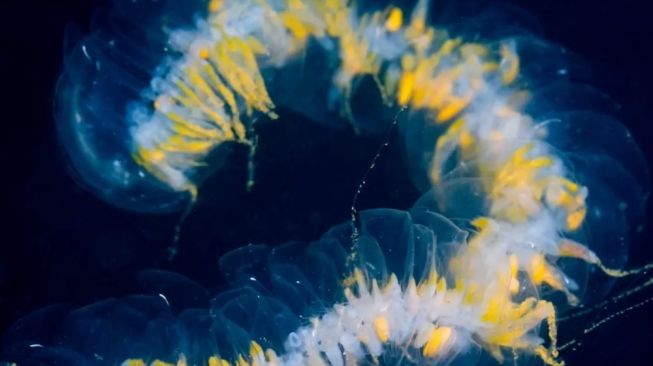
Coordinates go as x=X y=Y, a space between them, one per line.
x=60 y=244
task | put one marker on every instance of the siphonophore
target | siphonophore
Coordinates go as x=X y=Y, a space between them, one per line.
x=528 y=184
